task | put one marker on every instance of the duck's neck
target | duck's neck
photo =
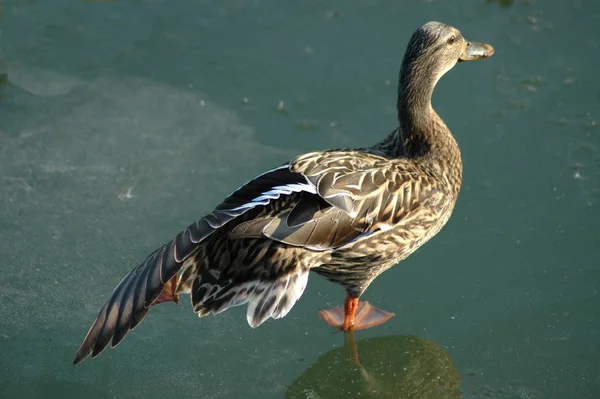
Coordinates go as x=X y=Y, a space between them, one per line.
x=422 y=133
x=417 y=118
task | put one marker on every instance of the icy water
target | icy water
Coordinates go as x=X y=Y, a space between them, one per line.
x=122 y=122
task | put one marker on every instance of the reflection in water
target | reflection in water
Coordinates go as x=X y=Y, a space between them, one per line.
x=400 y=366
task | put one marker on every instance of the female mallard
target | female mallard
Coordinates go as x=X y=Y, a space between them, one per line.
x=348 y=215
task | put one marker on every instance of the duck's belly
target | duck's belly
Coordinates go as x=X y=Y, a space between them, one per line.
x=355 y=265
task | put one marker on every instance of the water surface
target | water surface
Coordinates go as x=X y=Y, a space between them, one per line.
x=122 y=122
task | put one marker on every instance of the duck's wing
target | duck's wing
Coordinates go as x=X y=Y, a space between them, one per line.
x=130 y=300
x=374 y=191
x=355 y=194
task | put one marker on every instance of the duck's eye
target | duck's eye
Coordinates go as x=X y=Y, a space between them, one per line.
x=451 y=40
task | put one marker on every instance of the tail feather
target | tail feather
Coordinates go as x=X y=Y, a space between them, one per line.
x=263 y=305
x=274 y=298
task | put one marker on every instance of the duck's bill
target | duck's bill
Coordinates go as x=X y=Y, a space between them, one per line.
x=476 y=51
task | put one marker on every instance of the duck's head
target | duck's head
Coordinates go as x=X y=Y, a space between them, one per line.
x=435 y=48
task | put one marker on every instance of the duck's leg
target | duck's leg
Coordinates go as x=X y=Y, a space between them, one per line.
x=168 y=293
x=355 y=315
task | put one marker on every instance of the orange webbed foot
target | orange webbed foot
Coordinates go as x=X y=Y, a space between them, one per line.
x=365 y=316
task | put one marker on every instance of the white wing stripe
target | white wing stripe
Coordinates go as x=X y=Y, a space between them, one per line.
x=286 y=166
x=275 y=193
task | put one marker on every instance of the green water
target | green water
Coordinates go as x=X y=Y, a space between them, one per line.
x=122 y=122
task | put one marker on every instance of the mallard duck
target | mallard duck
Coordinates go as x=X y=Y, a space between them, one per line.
x=347 y=215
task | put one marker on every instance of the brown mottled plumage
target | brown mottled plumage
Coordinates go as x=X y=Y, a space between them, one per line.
x=347 y=215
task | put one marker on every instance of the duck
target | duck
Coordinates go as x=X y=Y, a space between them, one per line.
x=345 y=214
